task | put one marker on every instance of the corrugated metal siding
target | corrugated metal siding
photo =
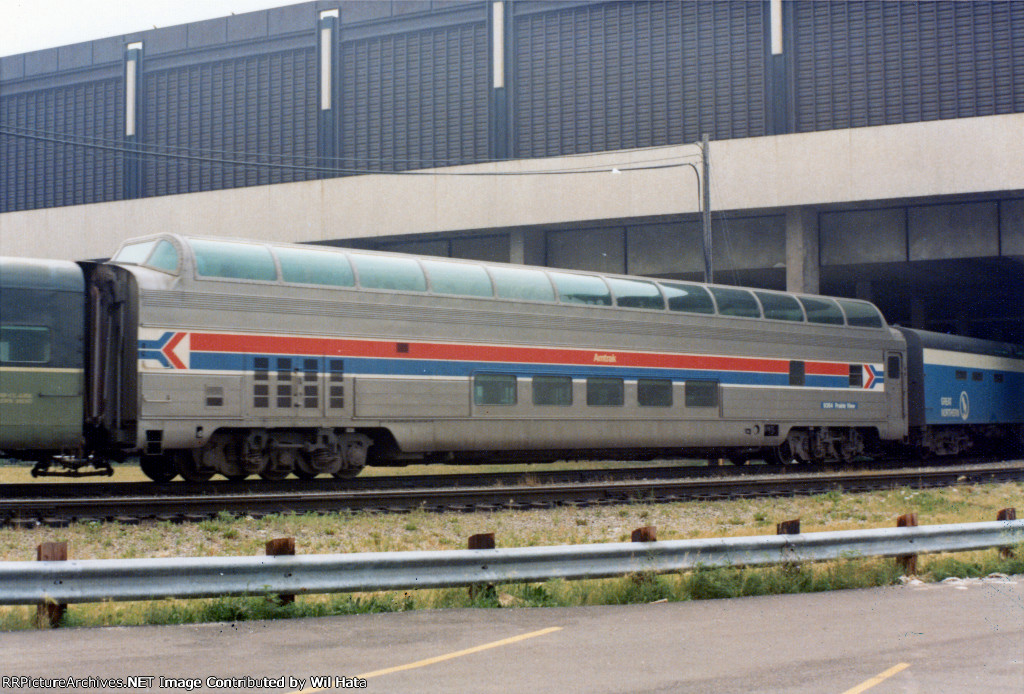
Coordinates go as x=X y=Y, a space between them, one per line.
x=874 y=63
x=620 y=75
x=212 y=119
x=416 y=99
x=55 y=166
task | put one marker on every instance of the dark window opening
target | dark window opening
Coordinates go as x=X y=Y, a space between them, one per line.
x=605 y=392
x=654 y=392
x=797 y=373
x=856 y=376
x=701 y=393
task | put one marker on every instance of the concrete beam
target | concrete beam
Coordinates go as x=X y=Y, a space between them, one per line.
x=893 y=162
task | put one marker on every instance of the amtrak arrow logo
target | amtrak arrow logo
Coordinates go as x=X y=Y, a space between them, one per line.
x=872 y=376
x=171 y=350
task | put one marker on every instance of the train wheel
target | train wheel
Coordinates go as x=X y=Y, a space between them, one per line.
x=190 y=469
x=348 y=472
x=779 y=455
x=158 y=468
x=273 y=474
x=237 y=478
x=303 y=474
x=738 y=460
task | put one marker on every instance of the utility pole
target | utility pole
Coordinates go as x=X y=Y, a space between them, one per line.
x=706 y=207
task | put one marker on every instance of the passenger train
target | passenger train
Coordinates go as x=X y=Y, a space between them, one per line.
x=207 y=356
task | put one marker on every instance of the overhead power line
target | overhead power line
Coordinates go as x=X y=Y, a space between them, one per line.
x=286 y=162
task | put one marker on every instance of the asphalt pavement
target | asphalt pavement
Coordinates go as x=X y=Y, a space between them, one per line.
x=959 y=636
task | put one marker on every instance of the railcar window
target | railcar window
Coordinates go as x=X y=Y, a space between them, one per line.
x=780 y=306
x=494 y=389
x=654 y=392
x=893 y=368
x=735 y=302
x=961 y=375
x=701 y=393
x=311 y=266
x=581 y=289
x=634 y=294
x=458 y=278
x=165 y=257
x=977 y=376
x=135 y=253
x=605 y=392
x=687 y=298
x=998 y=378
x=25 y=344
x=389 y=272
x=861 y=314
x=552 y=390
x=856 y=376
x=797 y=373
x=239 y=261
x=821 y=310
x=521 y=283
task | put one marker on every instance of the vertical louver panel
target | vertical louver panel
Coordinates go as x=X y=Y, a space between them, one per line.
x=63 y=150
x=620 y=75
x=246 y=121
x=873 y=63
x=415 y=100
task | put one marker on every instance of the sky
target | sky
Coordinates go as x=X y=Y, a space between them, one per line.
x=30 y=25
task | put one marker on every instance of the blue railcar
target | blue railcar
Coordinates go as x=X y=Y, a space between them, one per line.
x=962 y=391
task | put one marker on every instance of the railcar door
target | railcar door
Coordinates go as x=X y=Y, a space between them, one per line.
x=896 y=392
x=112 y=404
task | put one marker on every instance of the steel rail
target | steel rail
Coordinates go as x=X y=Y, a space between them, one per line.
x=100 y=580
x=197 y=507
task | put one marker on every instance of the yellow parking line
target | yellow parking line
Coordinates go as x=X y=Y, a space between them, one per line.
x=447 y=656
x=878 y=679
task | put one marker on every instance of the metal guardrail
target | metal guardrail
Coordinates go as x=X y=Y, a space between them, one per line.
x=23 y=583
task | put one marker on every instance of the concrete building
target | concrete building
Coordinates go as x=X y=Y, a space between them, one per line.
x=865 y=149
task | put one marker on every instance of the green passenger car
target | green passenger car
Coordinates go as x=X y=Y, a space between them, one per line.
x=42 y=356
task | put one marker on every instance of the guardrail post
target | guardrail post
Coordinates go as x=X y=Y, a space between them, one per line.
x=907 y=562
x=281 y=547
x=790 y=527
x=648 y=533
x=48 y=614
x=1006 y=514
x=481 y=541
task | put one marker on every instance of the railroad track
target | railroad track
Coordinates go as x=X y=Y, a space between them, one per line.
x=185 y=507
x=368 y=482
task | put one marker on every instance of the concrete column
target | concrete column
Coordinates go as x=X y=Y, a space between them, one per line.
x=802 y=270
x=526 y=247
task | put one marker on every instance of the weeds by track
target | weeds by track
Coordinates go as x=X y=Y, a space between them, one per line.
x=131 y=503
